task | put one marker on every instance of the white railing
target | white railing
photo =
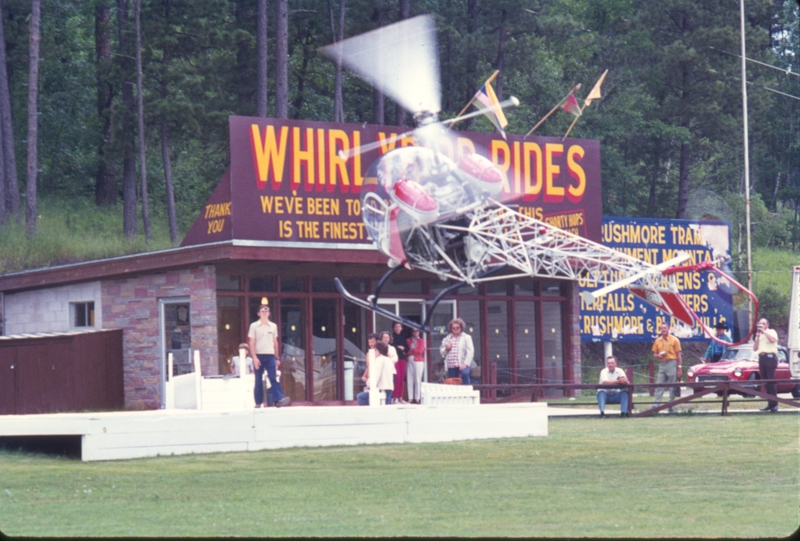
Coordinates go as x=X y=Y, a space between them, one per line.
x=434 y=394
x=184 y=391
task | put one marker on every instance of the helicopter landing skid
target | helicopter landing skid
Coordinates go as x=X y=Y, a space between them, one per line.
x=371 y=302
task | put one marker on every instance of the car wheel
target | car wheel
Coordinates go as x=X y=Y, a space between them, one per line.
x=796 y=391
x=751 y=377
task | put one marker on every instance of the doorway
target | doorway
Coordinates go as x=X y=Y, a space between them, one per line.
x=176 y=338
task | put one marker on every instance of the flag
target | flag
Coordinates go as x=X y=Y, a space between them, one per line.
x=571 y=105
x=595 y=93
x=486 y=100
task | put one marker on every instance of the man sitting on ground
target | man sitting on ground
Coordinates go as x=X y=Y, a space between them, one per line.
x=612 y=377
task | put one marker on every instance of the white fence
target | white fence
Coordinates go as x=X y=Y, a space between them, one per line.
x=232 y=393
x=215 y=393
x=434 y=394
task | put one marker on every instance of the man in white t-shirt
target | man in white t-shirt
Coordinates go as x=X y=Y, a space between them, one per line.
x=612 y=378
x=263 y=340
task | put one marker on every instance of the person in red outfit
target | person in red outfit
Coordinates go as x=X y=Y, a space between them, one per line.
x=415 y=365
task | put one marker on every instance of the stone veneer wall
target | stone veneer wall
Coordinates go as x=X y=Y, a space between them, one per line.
x=132 y=305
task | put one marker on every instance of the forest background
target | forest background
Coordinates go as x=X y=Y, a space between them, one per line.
x=84 y=174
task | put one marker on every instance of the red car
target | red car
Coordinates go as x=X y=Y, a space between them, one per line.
x=739 y=364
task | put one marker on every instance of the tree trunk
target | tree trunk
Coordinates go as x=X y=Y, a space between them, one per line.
x=338 y=35
x=171 y=214
x=105 y=189
x=243 y=15
x=685 y=152
x=282 y=60
x=137 y=7
x=129 y=225
x=173 y=221
x=261 y=54
x=377 y=95
x=12 y=199
x=377 y=107
x=299 y=95
x=33 y=110
x=651 y=200
x=400 y=113
x=471 y=56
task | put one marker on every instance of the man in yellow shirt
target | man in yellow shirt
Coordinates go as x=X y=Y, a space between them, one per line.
x=667 y=351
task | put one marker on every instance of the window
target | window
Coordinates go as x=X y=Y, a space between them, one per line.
x=82 y=314
x=229 y=282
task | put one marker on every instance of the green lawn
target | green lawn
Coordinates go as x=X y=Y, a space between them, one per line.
x=682 y=475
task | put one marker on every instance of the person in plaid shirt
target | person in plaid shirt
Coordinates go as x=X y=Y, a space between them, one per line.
x=458 y=351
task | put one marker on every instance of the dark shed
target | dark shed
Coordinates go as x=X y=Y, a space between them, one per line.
x=58 y=372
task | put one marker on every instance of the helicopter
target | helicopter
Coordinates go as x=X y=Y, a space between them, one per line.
x=426 y=210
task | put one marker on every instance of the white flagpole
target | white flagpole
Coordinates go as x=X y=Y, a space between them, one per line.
x=746 y=165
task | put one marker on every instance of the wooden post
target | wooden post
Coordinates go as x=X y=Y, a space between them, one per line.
x=198 y=379
x=629 y=375
x=169 y=389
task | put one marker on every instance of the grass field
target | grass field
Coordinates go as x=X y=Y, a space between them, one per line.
x=683 y=475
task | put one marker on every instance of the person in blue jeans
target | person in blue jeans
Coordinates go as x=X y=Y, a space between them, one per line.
x=458 y=351
x=613 y=378
x=263 y=340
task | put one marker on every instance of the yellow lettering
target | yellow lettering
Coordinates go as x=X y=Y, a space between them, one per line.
x=268 y=154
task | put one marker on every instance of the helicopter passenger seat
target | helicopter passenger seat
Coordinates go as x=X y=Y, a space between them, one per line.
x=414 y=199
x=481 y=174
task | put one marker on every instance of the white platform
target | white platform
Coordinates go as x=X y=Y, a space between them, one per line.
x=124 y=435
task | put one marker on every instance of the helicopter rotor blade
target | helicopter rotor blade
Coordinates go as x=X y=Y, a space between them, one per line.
x=510 y=102
x=363 y=149
x=401 y=60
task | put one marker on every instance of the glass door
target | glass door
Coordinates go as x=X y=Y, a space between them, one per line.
x=176 y=338
x=293 y=349
x=325 y=356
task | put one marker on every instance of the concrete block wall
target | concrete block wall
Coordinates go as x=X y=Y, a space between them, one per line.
x=132 y=304
x=48 y=310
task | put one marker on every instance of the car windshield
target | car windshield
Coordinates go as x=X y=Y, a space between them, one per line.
x=738 y=353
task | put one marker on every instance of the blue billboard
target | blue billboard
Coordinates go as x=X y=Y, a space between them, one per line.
x=621 y=316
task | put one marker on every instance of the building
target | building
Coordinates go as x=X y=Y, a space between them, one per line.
x=282 y=223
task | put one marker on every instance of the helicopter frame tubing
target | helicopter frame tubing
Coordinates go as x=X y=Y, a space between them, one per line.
x=371 y=302
x=495 y=237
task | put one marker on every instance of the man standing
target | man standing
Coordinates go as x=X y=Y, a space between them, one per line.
x=766 y=346
x=612 y=379
x=263 y=340
x=715 y=350
x=667 y=351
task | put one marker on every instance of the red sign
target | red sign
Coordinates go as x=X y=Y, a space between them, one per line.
x=289 y=185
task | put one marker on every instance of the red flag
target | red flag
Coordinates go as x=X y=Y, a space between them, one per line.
x=571 y=105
